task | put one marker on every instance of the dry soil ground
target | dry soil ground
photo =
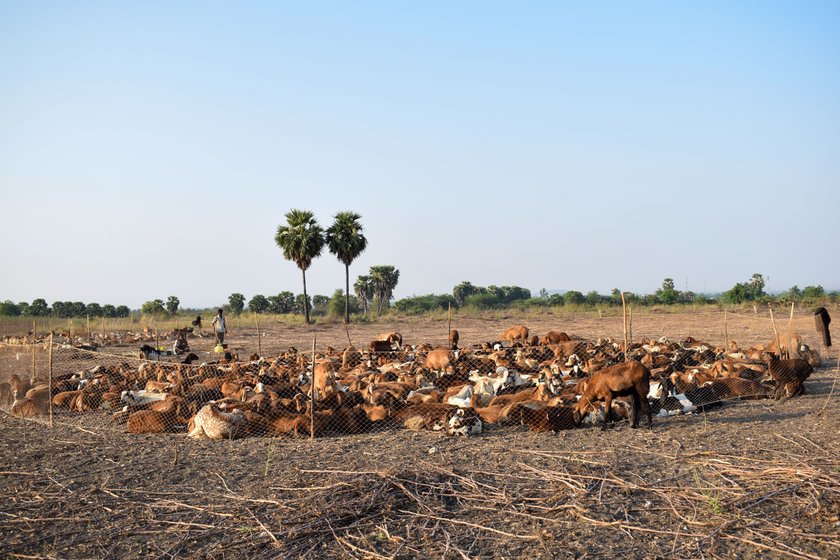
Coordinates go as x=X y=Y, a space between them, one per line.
x=748 y=480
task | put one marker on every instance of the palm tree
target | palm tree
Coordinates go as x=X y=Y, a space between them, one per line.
x=301 y=240
x=384 y=279
x=364 y=291
x=346 y=241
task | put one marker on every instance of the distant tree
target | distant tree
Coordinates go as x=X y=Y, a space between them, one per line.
x=811 y=293
x=364 y=290
x=556 y=299
x=667 y=294
x=320 y=301
x=464 y=290
x=59 y=309
x=756 y=286
x=593 y=298
x=153 y=307
x=793 y=294
x=573 y=297
x=346 y=241
x=543 y=293
x=258 y=304
x=284 y=302
x=299 y=305
x=737 y=294
x=301 y=240
x=93 y=310
x=78 y=309
x=237 y=303
x=109 y=310
x=172 y=305
x=9 y=309
x=484 y=300
x=23 y=306
x=337 y=304
x=423 y=304
x=123 y=311
x=39 y=308
x=385 y=278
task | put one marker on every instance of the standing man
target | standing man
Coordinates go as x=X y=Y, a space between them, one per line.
x=822 y=319
x=220 y=327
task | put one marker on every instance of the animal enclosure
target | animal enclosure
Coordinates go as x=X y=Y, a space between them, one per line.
x=725 y=470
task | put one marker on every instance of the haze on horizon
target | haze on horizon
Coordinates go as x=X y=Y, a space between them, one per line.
x=152 y=149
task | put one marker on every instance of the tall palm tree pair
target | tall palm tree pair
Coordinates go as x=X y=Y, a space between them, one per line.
x=302 y=239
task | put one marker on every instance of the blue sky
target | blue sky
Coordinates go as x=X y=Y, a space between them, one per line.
x=152 y=149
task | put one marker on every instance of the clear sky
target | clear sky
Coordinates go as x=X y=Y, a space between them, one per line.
x=150 y=149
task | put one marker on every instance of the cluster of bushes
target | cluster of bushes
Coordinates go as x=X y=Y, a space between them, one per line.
x=63 y=309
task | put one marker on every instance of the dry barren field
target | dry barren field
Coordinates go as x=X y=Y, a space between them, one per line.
x=751 y=479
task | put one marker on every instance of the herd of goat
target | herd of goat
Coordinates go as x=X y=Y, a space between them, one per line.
x=549 y=383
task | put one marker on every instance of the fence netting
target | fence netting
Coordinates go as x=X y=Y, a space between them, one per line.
x=182 y=382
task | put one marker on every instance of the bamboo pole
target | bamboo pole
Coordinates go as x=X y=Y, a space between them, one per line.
x=312 y=393
x=624 y=310
x=34 y=331
x=449 y=333
x=790 y=320
x=50 y=375
x=259 y=338
x=347 y=332
x=630 y=327
x=88 y=328
x=157 y=344
x=33 y=377
x=776 y=333
x=725 y=331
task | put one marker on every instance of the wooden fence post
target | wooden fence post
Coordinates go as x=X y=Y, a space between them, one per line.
x=50 y=375
x=259 y=338
x=33 y=376
x=624 y=309
x=725 y=331
x=449 y=331
x=775 y=332
x=312 y=393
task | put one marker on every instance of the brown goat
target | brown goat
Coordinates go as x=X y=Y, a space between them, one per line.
x=789 y=375
x=440 y=359
x=625 y=379
x=550 y=419
x=149 y=422
x=453 y=339
x=519 y=332
x=554 y=337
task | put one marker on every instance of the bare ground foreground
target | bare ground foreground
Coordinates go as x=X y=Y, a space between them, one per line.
x=751 y=479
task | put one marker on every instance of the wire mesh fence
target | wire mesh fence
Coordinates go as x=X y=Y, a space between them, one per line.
x=457 y=383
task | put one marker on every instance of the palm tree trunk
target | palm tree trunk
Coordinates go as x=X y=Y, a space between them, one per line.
x=305 y=299
x=346 y=293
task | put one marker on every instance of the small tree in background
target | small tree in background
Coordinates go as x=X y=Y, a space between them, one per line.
x=364 y=290
x=39 y=308
x=237 y=303
x=384 y=278
x=258 y=304
x=93 y=309
x=153 y=307
x=172 y=305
